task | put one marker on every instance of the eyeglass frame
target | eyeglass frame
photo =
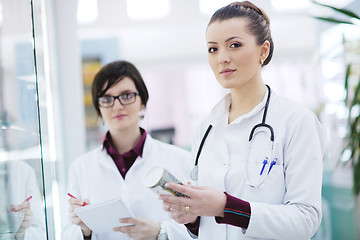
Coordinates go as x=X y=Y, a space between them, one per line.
x=118 y=98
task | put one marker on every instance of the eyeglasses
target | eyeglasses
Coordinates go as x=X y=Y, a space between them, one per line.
x=124 y=99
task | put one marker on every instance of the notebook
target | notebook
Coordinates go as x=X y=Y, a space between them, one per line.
x=103 y=217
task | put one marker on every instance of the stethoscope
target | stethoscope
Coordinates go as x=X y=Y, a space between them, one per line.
x=195 y=171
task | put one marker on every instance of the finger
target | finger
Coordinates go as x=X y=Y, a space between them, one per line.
x=76 y=220
x=73 y=207
x=176 y=214
x=28 y=214
x=188 y=185
x=23 y=210
x=15 y=208
x=73 y=214
x=31 y=214
x=172 y=200
x=20 y=209
x=132 y=221
x=170 y=207
x=187 y=189
x=25 y=204
x=76 y=202
x=184 y=219
x=177 y=208
x=166 y=208
x=124 y=229
x=21 y=206
x=167 y=198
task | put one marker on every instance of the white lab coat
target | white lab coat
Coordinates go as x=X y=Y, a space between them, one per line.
x=21 y=184
x=95 y=176
x=288 y=203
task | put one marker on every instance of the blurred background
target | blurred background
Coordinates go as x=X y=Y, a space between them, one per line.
x=50 y=51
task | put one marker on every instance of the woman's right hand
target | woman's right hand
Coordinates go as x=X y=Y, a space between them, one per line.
x=179 y=216
x=201 y=201
x=76 y=203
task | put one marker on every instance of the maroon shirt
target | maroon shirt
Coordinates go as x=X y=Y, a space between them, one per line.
x=124 y=161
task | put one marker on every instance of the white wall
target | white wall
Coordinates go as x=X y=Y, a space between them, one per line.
x=167 y=49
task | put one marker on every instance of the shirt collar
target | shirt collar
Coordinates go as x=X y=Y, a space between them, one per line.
x=137 y=149
x=221 y=109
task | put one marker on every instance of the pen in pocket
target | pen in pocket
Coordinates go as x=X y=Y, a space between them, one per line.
x=76 y=198
x=264 y=164
x=272 y=164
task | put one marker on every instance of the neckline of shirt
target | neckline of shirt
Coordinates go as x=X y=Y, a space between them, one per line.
x=220 y=111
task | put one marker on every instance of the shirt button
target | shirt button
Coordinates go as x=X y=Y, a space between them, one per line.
x=123 y=169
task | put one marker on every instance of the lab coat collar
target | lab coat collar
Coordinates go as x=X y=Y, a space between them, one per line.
x=221 y=109
x=137 y=149
x=106 y=160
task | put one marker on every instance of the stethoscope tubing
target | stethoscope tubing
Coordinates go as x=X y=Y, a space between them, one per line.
x=202 y=144
x=194 y=172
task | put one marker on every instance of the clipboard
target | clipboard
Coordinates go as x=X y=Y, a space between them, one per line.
x=104 y=216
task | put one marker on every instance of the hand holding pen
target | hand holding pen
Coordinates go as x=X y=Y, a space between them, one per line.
x=17 y=208
x=76 y=203
x=82 y=204
x=25 y=208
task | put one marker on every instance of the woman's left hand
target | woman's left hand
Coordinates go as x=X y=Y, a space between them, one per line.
x=24 y=208
x=201 y=201
x=143 y=229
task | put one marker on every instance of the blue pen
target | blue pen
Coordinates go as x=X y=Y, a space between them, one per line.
x=264 y=163
x=272 y=164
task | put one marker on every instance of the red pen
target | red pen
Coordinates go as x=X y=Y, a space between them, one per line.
x=27 y=199
x=76 y=198
x=14 y=210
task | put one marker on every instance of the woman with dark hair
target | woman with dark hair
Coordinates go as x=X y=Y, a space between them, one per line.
x=258 y=166
x=116 y=168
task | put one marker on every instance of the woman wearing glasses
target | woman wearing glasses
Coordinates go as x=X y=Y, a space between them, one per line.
x=116 y=168
x=259 y=156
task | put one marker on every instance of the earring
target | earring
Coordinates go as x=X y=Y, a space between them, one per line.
x=142 y=114
x=261 y=61
x=101 y=121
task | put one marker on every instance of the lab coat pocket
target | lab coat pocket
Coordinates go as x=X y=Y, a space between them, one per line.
x=261 y=185
x=256 y=173
x=276 y=174
x=258 y=160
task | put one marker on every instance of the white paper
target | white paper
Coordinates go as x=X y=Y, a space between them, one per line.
x=103 y=217
x=16 y=219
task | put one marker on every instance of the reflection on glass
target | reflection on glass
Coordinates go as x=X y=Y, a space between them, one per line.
x=21 y=211
x=21 y=202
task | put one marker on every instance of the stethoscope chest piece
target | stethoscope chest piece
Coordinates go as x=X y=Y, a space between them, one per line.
x=194 y=173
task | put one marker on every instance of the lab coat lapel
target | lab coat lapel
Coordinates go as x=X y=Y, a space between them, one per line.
x=107 y=162
x=214 y=158
x=140 y=160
